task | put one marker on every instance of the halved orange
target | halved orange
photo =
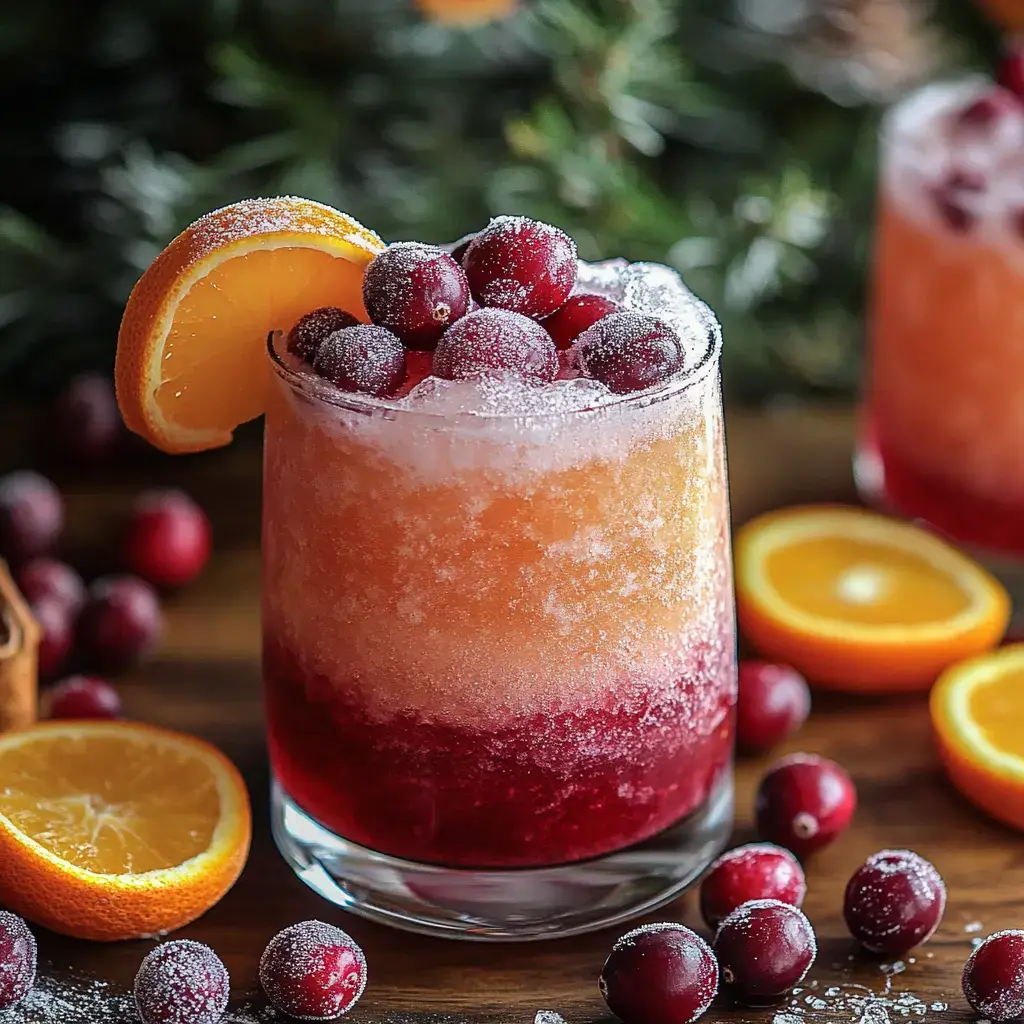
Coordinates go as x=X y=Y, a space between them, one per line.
x=467 y=12
x=191 y=364
x=977 y=710
x=860 y=602
x=117 y=830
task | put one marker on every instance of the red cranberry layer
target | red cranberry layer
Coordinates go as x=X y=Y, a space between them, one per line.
x=758 y=871
x=764 y=949
x=309 y=332
x=630 y=352
x=17 y=959
x=87 y=424
x=83 y=697
x=182 y=982
x=990 y=107
x=415 y=291
x=364 y=359
x=521 y=265
x=580 y=312
x=120 y=623
x=993 y=979
x=313 y=971
x=1011 y=71
x=31 y=516
x=495 y=339
x=659 y=972
x=774 y=701
x=46 y=577
x=804 y=802
x=167 y=542
x=893 y=902
x=58 y=627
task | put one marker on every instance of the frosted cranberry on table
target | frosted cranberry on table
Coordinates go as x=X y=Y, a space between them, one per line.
x=57 y=624
x=167 y=540
x=86 y=423
x=630 y=352
x=579 y=313
x=82 y=697
x=773 y=702
x=989 y=108
x=50 y=578
x=182 y=982
x=120 y=623
x=31 y=516
x=17 y=959
x=364 y=358
x=756 y=871
x=310 y=331
x=496 y=340
x=993 y=978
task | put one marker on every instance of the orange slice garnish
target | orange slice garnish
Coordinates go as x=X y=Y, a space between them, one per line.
x=977 y=710
x=191 y=362
x=467 y=12
x=860 y=602
x=116 y=830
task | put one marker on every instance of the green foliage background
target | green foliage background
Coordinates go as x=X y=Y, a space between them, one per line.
x=654 y=129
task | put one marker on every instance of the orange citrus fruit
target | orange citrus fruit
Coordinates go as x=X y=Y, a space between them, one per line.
x=191 y=364
x=977 y=710
x=117 y=830
x=466 y=12
x=860 y=602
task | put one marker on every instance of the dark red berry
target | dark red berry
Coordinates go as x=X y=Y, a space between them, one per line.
x=661 y=973
x=17 y=959
x=804 y=802
x=951 y=198
x=182 y=982
x=758 y=871
x=521 y=265
x=894 y=901
x=58 y=628
x=630 y=352
x=460 y=247
x=309 y=332
x=993 y=979
x=87 y=424
x=366 y=359
x=46 y=577
x=565 y=325
x=120 y=623
x=495 y=339
x=31 y=516
x=83 y=697
x=167 y=540
x=1011 y=71
x=313 y=971
x=774 y=701
x=990 y=107
x=415 y=291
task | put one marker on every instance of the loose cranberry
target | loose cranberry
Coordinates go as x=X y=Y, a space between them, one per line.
x=804 y=802
x=659 y=972
x=31 y=516
x=313 y=971
x=120 y=623
x=630 y=352
x=496 y=339
x=309 y=332
x=83 y=697
x=993 y=979
x=58 y=628
x=774 y=701
x=87 y=424
x=990 y=107
x=182 y=982
x=46 y=577
x=764 y=949
x=167 y=541
x=415 y=291
x=521 y=265
x=758 y=871
x=17 y=959
x=460 y=247
x=565 y=325
x=1011 y=71
x=366 y=359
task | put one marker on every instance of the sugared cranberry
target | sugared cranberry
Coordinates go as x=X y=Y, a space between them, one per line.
x=415 y=291
x=774 y=701
x=83 y=697
x=17 y=959
x=521 y=265
x=58 y=628
x=182 y=982
x=989 y=108
x=87 y=424
x=365 y=359
x=565 y=325
x=661 y=973
x=310 y=331
x=764 y=949
x=167 y=541
x=894 y=901
x=630 y=352
x=31 y=516
x=313 y=971
x=460 y=247
x=46 y=577
x=1011 y=71
x=804 y=802
x=993 y=979
x=758 y=871
x=120 y=623
x=495 y=339
x=951 y=195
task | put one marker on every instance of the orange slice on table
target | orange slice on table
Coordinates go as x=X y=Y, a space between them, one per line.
x=977 y=710
x=191 y=363
x=860 y=602
x=117 y=830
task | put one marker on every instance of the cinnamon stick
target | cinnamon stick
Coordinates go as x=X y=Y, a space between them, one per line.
x=19 y=648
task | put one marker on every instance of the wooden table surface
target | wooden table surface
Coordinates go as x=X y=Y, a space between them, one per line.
x=206 y=680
